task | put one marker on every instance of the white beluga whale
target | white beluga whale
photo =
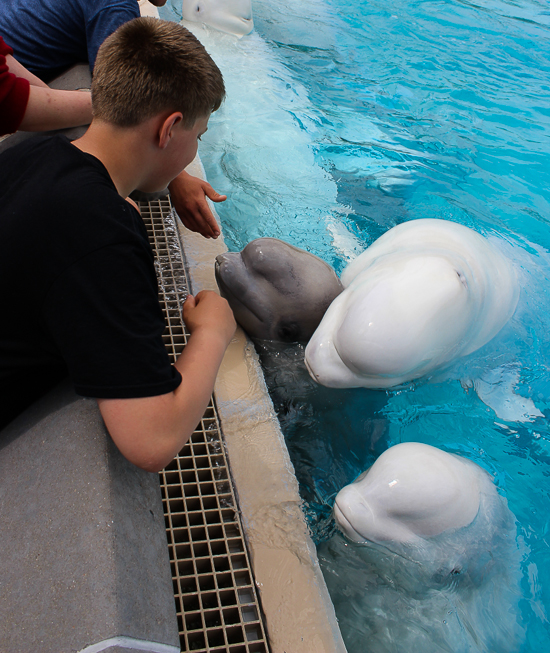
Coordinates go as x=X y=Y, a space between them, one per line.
x=411 y=493
x=230 y=16
x=425 y=293
x=433 y=561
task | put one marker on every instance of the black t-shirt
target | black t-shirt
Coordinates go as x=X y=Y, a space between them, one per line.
x=78 y=288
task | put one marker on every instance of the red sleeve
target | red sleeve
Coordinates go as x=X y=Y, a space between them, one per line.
x=4 y=47
x=14 y=94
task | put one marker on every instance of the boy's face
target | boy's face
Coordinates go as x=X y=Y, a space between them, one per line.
x=189 y=140
x=179 y=154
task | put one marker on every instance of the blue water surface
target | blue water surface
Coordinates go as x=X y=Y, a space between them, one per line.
x=344 y=119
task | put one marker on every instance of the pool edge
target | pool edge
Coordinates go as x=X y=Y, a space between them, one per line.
x=284 y=558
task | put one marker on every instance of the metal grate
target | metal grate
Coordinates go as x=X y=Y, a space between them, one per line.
x=217 y=605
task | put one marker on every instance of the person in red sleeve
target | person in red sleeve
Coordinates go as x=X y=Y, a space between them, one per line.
x=27 y=103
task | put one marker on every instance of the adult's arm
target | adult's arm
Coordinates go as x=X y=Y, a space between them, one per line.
x=49 y=108
x=150 y=431
x=188 y=195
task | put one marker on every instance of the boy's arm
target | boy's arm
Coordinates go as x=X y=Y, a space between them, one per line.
x=150 y=431
x=188 y=195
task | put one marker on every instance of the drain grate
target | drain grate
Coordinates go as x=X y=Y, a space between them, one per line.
x=217 y=605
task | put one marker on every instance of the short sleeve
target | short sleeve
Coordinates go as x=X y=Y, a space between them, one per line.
x=14 y=94
x=5 y=48
x=103 y=315
x=103 y=23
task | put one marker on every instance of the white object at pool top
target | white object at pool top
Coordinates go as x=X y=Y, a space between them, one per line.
x=230 y=16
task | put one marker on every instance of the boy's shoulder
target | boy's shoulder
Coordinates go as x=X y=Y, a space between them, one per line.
x=40 y=148
x=50 y=170
x=50 y=163
x=55 y=192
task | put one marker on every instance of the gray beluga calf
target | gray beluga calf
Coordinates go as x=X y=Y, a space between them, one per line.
x=435 y=545
x=276 y=291
x=425 y=293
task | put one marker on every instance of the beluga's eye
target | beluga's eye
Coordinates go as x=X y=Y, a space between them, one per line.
x=462 y=278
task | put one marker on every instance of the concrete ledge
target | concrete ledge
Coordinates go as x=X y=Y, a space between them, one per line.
x=299 y=612
x=84 y=564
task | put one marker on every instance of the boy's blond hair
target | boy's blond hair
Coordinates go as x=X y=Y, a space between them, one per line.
x=148 y=66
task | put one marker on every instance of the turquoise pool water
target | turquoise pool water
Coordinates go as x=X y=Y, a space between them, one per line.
x=345 y=119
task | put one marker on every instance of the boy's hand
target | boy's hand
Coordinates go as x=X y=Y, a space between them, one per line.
x=149 y=431
x=209 y=313
x=188 y=196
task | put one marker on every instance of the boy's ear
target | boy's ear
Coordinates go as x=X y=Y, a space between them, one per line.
x=166 y=128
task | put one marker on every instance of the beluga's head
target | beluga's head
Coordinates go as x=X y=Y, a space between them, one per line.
x=230 y=16
x=277 y=291
x=413 y=492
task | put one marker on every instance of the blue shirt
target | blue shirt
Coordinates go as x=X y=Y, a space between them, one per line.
x=49 y=36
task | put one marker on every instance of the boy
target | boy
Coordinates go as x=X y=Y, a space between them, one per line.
x=77 y=279
x=50 y=36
